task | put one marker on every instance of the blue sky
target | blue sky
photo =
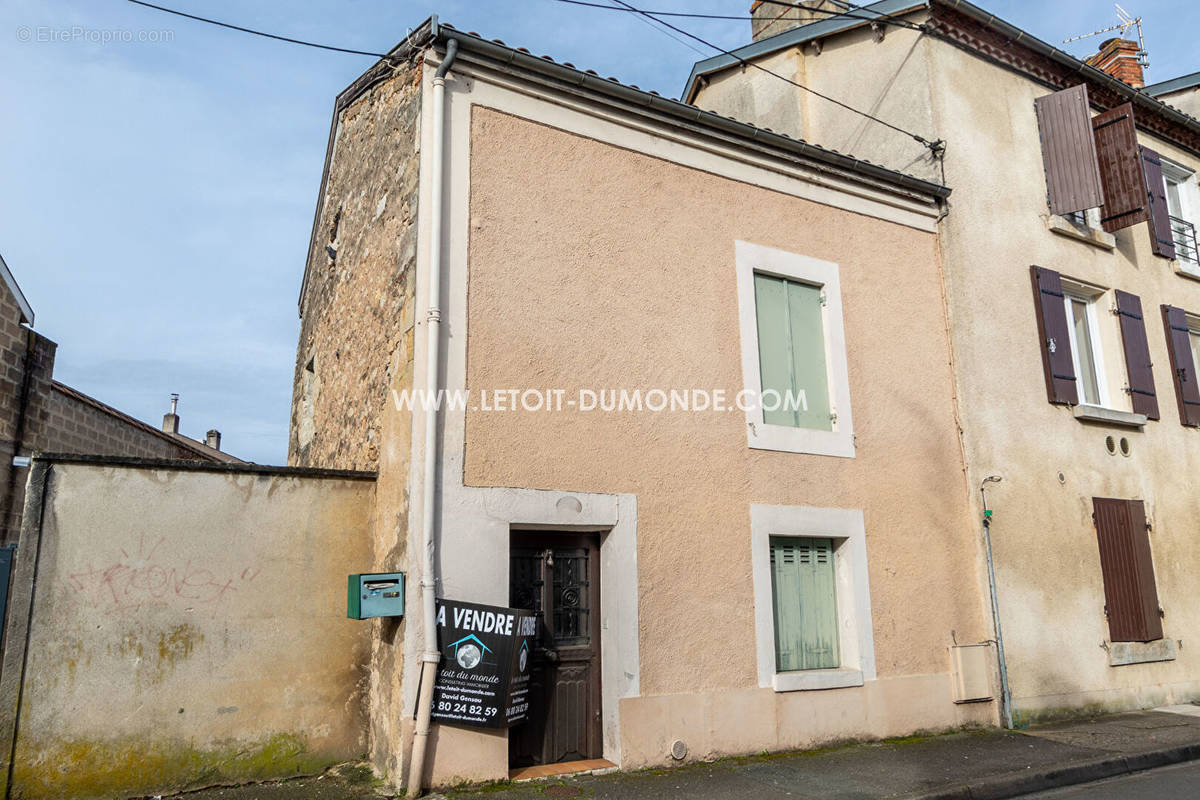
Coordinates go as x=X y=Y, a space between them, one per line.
x=157 y=196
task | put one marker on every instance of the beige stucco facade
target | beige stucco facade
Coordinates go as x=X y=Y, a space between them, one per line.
x=592 y=246
x=1051 y=595
x=187 y=628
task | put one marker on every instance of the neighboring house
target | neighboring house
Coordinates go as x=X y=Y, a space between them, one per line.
x=1071 y=279
x=39 y=414
x=711 y=582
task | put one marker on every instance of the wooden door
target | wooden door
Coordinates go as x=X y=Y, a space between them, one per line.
x=557 y=576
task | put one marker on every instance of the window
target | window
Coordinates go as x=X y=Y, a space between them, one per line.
x=1130 y=594
x=791 y=351
x=1085 y=349
x=1072 y=357
x=804 y=599
x=812 y=605
x=1182 y=208
x=796 y=390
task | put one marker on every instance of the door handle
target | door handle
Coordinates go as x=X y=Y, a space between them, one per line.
x=548 y=654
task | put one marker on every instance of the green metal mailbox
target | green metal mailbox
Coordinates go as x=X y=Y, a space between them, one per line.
x=378 y=594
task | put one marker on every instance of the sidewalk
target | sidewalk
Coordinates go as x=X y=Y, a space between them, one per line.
x=988 y=764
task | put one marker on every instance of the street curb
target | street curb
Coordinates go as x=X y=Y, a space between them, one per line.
x=1016 y=784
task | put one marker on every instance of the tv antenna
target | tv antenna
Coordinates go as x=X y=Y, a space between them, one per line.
x=1127 y=22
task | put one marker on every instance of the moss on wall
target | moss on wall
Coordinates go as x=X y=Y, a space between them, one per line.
x=140 y=766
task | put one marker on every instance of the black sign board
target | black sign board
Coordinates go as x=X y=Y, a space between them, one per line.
x=483 y=677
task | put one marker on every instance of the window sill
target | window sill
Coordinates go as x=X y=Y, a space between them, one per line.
x=1123 y=653
x=1187 y=269
x=1092 y=236
x=815 y=679
x=1110 y=416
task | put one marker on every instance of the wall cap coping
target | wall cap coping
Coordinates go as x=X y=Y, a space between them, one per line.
x=183 y=465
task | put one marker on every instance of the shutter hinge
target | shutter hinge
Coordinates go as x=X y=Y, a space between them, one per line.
x=1161 y=614
x=824 y=299
x=1106 y=611
x=833 y=415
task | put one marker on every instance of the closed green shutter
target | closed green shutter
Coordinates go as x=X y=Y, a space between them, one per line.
x=804 y=595
x=791 y=352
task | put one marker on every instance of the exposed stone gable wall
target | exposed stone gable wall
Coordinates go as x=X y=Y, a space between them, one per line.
x=357 y=311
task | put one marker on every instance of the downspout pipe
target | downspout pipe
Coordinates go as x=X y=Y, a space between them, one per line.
x=1005 y=694
x=430 y=655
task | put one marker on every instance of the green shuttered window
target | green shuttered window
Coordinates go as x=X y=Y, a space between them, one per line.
x=804 y=595
x=791 y=352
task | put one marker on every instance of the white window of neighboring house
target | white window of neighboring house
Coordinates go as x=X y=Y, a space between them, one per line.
x=1183 y=203
x=812 y=603
x=1086 y=354
x=793 y=353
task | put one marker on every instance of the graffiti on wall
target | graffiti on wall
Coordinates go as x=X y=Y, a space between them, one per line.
x=151 y=575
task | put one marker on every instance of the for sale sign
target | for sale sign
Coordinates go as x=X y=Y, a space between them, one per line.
x=483 y=677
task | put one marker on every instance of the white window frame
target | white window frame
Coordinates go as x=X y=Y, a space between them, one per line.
x=1189 y=203
x=1091 y=296
x=754 y=259
x=855 y=631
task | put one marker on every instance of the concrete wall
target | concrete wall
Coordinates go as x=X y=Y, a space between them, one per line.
x=1048 y=567
x=189 y=629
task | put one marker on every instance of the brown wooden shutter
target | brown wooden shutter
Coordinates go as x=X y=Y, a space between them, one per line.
x=1161 y=237
x=1183 y=366
x=1069 y=151
x=1137 y=355
x=1121 y=175
x=1130 y=595
x=1054 y=336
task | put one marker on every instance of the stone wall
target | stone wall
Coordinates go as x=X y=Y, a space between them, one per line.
x=356 y=341
x=357 y=308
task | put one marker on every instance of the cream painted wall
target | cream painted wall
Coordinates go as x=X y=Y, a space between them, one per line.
x=614 y=269
x=1048 y=567
x=189 y=629
x=1047 y=558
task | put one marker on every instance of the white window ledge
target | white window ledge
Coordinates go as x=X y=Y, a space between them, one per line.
x=1122 y=653
x=1109 y=415
x=1187 y=269
x=815 y=679
x=1093 y=236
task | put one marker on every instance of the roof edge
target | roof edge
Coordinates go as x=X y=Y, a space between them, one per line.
x=1173 y=85
x=26 y=309
x=199 y=448
x=201 y=466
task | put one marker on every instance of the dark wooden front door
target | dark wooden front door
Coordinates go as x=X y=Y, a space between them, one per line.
x=557 y=575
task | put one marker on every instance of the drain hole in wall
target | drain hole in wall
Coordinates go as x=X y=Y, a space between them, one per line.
x=1111 y=444
x=1062 y=478
x=678 y=750
x=1126 y=448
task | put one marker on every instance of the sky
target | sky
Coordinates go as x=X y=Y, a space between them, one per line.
x=158 y=176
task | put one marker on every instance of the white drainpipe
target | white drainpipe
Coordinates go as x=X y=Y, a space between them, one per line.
x=430 y=655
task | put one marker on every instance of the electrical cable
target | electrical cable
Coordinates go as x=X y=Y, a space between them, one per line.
x=692 y=15
x=936 y=147
x=264 y=34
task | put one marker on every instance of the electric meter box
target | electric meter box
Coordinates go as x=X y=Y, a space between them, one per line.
x=377 y=594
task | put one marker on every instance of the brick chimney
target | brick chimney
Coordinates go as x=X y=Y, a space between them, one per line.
x=213 y=439
x=768 y=19
x=1119 y=58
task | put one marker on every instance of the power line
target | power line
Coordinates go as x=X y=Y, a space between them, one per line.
x=264 y=34
x=651 y=25
x=935 y=146
x=692 y=15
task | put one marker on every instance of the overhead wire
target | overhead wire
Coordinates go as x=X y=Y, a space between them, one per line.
x=937 y=147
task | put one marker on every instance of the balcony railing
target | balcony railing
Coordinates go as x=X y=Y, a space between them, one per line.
x=1184 y=234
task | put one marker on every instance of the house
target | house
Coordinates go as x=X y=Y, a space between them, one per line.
x=611 y=280
x=1070 y=270
x=40 y=414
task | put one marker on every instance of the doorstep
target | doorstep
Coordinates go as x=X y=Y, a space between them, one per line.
x=592 y=766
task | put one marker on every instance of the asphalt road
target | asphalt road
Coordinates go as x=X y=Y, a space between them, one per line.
x=1181 y=781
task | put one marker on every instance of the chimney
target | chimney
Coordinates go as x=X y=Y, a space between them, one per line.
x=213 y=439
x=768 y=19
x=1119 y=58
x=171 y=420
